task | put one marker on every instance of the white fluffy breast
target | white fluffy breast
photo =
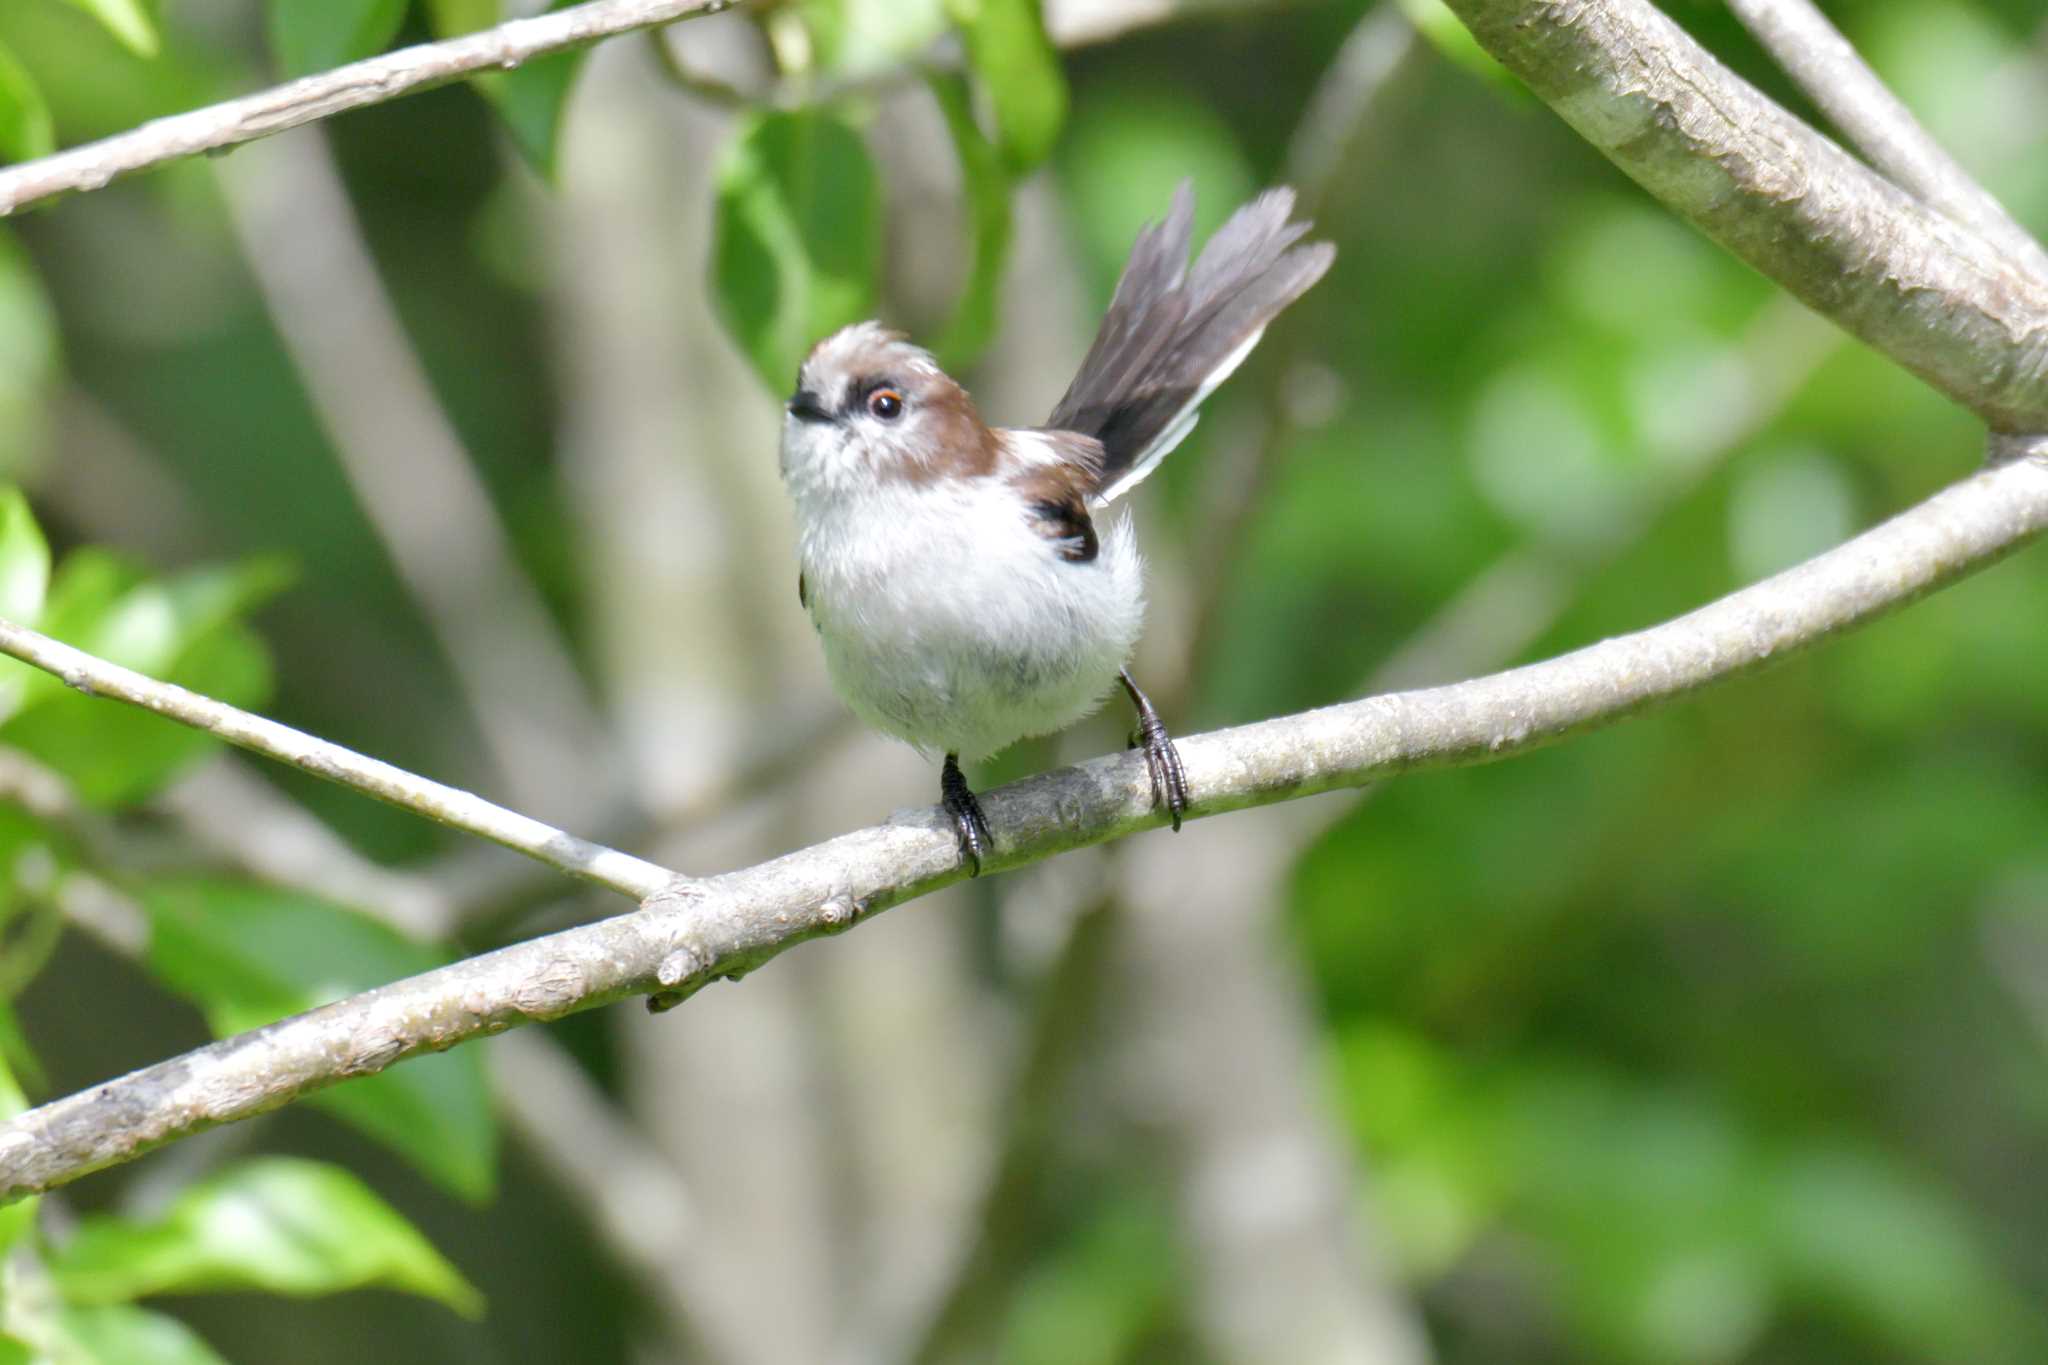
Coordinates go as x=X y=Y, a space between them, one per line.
x=949 y=621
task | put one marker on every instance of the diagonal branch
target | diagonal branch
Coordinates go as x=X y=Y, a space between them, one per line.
x=622 y=872
x=1814 y=53
x=354 y=86
x=722 y=927
x=1929 y=293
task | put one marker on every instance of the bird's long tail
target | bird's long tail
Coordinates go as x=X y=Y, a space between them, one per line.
x=1174 y=332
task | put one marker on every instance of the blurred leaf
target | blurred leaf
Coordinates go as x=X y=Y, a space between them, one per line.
x=319 y=35
x=28 y=357
x=25 y=131
x=18 y=1218
x=985 y=184
x=106 y=607
x=24 y=560
x=1093 y=1304
x=131 y=21
x=182 y=630
x=854 y=38
x=447 y=18
x=279 y=1224
x=1016 y=64
x=122 y=1334
x=798 y=237
x=17 y=1056
x=532 y=100
x=1895 y=1257
x=1449 y=36
x=24 y=580
x=249 y=954
x=114 y=754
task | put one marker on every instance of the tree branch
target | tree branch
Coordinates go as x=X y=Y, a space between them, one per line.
x=1816 y=56
x=462 y=810
x=695 y=932
x=354 y=86
x=1930 y=294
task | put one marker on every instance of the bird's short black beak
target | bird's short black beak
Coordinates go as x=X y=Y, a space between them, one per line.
x=805 y=408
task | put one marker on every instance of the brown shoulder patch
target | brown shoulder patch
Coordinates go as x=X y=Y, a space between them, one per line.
x=1056 y=499
x=949 y=439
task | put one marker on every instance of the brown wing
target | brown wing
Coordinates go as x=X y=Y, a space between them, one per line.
x=1174 y=331
x=1056 y=497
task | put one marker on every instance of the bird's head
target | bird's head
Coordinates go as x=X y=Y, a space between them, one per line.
x=869 y=407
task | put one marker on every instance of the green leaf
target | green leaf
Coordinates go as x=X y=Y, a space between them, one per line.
x=19 y=1058
x=183 y=630
x=799 y=226
x=283 y=1225
x=447 y=18
x=1447 y=33
x=985 y=183
x=532 y=102
x=24 y=579
x=1017 y=66
x=249 y=954
x=18 y=1218
x=25 y=128
x=319 y=35
x=122 y=1334
x=24 y=560
x=131 y=21
x=28 y=357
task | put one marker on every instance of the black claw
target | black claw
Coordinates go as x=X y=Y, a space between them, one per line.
x=1162 y=760
x=968 y=821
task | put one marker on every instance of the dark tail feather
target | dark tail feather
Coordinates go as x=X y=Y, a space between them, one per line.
x=1173 y=333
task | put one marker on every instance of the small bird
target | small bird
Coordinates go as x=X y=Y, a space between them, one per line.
x=954 y=571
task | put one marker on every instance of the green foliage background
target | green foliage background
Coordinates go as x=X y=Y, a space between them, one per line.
x=1720 y=1036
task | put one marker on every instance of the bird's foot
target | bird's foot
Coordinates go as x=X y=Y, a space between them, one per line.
x=968 y=822
x=1162 y=760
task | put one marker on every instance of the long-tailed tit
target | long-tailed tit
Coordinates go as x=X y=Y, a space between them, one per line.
x=954 y=570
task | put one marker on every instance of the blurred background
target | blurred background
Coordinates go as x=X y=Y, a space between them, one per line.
x=446 y=430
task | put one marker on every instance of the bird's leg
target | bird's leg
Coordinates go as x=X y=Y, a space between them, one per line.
x=968 y=820
x=1162 y=760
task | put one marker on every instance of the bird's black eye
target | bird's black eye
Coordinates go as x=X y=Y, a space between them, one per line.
x=886 y=404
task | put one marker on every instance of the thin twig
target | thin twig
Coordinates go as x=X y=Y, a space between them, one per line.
x=1820 y=60
x=722 y=927
x=1932 y=295
x=355 y=86
x=622 y=872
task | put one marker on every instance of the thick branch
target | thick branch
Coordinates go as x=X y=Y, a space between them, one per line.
x=372 y=81
x=1816 y=55
x=462 y=810
x=1848 y=243
x=697 y=932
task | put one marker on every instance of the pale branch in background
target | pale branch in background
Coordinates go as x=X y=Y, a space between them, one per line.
x=1815 y=54
x=1929 y=293
x=1371 y=53
x=415 y=480
x=355 y=86
x=692 y=933
x=622 y=872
